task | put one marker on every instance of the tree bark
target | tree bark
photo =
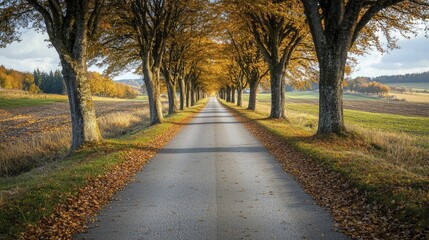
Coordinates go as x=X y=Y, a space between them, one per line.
x=192 y=96
x=277 y=92
x=151 y=80
x=198 y=95
x=233 y=94
x=84 y=122
x=172 y=100
x=182 y=89
x=331 y=117
x=228 y=94
x=171 y=91
x=252 y=96
x=239 y=97
x=188 y=93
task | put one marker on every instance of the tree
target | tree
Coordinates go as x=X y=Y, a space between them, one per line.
x=192 y=25
x=337 y=27
x=137 y=35
x=171 y=66
x=250 y=60
x=278 y=28
x=71 y=26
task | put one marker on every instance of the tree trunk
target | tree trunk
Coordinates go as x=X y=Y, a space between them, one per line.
x=239 y=97
x=84 y=122
x=233 y=94
x=252 y=97
x=228 y=94
x=331 y=118
x=182 y=93
x=188 y=93
x=172 y=100
x=151 y=80
x=192 y=96
x=198 y=95
x=277 y=90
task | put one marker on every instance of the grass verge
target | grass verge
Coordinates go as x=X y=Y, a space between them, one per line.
x=57 y=199
x=368 y=195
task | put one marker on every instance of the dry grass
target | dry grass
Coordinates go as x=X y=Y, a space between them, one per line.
x=415 y=97
x=118 y=123
x=19 y=94
x=19 y=156
x=399 y=149
x=405 y=151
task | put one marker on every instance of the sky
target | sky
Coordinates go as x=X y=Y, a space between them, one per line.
x=412 y=57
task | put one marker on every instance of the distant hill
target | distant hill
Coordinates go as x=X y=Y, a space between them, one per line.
x=407 y=78
x=133 y=83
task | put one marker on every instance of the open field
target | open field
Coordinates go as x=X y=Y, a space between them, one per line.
x=17 y=98
x=402 y=130
x=413 y=86
x=415 y=97
x=36 y=128
x=355 y=102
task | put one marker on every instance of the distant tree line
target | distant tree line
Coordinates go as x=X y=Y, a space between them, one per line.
x=411 y=77
x=103 y=86
x=365 y=85
x=12 y=79
x=53 y=82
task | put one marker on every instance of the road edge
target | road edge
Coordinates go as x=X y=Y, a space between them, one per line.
x=79 y=210
x=352 y=212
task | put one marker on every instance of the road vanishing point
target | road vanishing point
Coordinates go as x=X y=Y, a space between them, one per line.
x=214 y=180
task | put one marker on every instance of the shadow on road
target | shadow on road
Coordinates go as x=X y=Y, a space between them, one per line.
x=213 y=149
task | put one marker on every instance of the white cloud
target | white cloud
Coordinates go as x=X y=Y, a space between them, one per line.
x=33 y=52
x=411 y=57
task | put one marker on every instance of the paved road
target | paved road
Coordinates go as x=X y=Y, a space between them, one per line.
x=213 y=181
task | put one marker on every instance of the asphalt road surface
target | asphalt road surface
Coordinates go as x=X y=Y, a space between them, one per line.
x=214 y=180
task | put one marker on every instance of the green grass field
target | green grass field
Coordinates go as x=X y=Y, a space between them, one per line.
x=418 y=126
x=13 y=99
x=26 y=102
x=386 y=122
x=414 y=86
x=309 y=95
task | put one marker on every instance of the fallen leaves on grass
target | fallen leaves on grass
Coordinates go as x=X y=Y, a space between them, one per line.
x=72 y=216
x=350 y=208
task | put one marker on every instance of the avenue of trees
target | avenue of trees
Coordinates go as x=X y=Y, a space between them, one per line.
x=195 y=47
x=336 y=28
